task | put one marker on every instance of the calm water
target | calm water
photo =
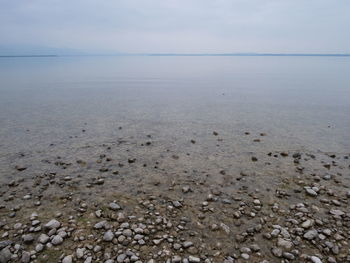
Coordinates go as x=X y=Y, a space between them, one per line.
x=300 y=102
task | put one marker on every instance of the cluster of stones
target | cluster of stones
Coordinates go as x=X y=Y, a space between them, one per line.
x=43 y=237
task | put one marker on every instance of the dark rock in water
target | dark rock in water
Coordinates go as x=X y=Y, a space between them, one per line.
x=131 y=160
x=193 y=141
x=296 y=155
x=215 y=133
x=254 y=159
x=262 y=134
x=328 y=166
x=247 y=133
x=284 y=154
x=20 y=168
x=100 y=181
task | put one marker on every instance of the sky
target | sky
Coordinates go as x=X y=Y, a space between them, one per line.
x=177 y=26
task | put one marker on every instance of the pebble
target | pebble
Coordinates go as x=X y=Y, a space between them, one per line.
x=27 y=238
x=43 y=238
x=67 y=259
x=25 y=257
x=310 y=192
x=80 y=252
x=187 y=244
x=284 y=243
x=114 y=206
x=52 y=224
x=194 y=259
x=245 y=256
x=108 y=236
x=311 y=234
x=307 y=224
x=5 y=255
x=57 y=240
x=315 y=259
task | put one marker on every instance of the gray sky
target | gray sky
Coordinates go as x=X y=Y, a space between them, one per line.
x=178 y=26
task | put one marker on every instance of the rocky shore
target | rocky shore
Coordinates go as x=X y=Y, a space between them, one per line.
x=142 y=201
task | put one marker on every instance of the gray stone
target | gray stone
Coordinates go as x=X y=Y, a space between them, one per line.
x=176 y=259
x=121 y=258
x=5 y=255
x=336 y=212
x=80 y=252
x=108 y=236
x=177 y=204
x=100 y=224
x=5 y=243
x=114 y=206
x=52 y=224
x=27 y=238
x=57 y=240
x=307 y=224
x=43 y=238
x=284 y=243
x=315 y=259
x=311 y=234
x=67 y=259
x=187 y=244
x=25 y=257
x=277 y=252
x=288 y=255
x=39 y=247
x=194 y=259
x=310 y=192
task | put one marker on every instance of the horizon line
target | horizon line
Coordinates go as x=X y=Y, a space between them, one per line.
x=188 y=54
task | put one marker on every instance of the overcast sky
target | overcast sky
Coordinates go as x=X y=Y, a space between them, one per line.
x=178 y=25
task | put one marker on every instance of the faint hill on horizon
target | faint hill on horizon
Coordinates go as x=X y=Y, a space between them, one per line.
x=32 y=50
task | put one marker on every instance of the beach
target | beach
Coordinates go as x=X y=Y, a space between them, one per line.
x=175 y=159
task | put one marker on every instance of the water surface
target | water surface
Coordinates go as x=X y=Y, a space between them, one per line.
x=301 y=102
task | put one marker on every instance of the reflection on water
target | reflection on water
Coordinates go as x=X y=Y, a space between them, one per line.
x=300 y=102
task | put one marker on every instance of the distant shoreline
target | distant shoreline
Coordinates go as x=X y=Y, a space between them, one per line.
x=27 y=56
x=188 y=55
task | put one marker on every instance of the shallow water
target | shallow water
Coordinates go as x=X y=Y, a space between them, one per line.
x=91 y=130
x=300 y=102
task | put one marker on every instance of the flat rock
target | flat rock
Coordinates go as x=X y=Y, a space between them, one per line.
x=336 y=212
